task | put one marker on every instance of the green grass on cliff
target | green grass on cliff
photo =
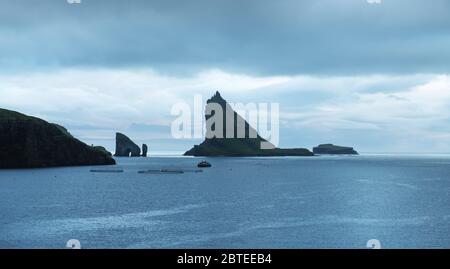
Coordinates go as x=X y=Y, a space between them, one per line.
x=13 y=115
x=8 y=115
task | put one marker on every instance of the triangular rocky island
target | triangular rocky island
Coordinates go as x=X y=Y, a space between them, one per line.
x=239 y=147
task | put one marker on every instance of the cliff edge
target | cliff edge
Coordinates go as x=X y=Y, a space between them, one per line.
x=29 y=142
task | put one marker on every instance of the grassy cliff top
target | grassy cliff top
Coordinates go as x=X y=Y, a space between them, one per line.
x=9 y=115
x=13 y=115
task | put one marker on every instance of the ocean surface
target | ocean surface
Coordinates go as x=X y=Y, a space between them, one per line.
x=309 y=202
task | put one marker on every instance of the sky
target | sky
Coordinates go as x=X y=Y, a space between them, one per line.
x=349 y=72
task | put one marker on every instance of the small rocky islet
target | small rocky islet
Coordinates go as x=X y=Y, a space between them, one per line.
x=330 y=149
x=125 y=147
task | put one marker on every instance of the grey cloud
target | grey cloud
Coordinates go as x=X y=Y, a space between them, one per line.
x=253 y=36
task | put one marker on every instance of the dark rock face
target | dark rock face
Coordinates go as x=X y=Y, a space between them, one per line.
x=29 y=142
x=125 y=147
x=102 y=149
x=238 y=147
x=144 y=150
x=334 y=150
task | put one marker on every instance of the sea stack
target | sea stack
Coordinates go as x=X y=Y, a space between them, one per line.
x=125 y=147
x=330 y=149
x=29 y=142
x=144 y=150
x=249 y=145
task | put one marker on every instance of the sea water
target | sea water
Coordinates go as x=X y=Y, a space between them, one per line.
x=302 y=202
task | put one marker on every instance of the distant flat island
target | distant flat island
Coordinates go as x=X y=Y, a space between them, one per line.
x=330 y=149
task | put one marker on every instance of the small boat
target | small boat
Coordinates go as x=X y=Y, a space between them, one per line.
x=106 y=171
x=204 y=164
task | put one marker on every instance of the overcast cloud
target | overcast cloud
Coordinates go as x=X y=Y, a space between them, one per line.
x=252 y=36
x=373 y=76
